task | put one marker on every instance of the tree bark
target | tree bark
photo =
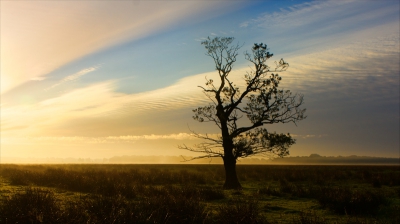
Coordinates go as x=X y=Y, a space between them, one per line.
x=231 y=180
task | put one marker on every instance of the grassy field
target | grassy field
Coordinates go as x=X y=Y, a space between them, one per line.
x=193 y=194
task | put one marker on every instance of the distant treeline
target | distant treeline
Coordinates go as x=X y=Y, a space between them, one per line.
x=337 y=160
x=313 y=159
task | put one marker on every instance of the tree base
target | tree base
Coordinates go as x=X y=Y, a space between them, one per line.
x=231 y=180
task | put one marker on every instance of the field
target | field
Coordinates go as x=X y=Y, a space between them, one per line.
x=193 y=194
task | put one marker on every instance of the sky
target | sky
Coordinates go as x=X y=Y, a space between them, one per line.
x=97 y=79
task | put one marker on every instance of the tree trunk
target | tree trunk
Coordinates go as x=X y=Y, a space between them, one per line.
x=231 y=180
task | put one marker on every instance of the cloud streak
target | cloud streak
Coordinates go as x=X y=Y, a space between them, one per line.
x=41 y=36
x=74 y=76
x=318 y=25
x=99 y=100
x=314 y=74
x=98 y=140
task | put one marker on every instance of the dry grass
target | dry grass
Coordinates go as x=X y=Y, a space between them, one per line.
x=193 y=194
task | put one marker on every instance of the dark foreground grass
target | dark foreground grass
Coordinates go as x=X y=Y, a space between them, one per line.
x=40 y=206
x=193 y=194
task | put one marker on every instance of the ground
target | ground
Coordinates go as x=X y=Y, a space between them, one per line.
x=193 y=193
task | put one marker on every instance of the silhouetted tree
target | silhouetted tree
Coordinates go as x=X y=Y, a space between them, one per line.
x=260 y=101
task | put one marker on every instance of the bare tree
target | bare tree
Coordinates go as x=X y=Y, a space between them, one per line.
x=261 y=102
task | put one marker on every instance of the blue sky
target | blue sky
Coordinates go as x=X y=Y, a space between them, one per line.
x=100 y=78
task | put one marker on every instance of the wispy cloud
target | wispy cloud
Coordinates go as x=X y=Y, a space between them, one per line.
x=38 y=78
x=322 y=13
x=100 y=100
x=200 y=39
x=317 y=25
x=179 y=136
x=244 y=24
x=342 y=71
x=307 y=136
x=74 y=76
x=298 y=15
x=46 y=35
x=97 y=140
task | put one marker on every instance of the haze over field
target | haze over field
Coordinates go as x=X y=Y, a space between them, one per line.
x=102 y=79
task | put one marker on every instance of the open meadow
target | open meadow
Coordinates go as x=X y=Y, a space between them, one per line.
x=193 y=194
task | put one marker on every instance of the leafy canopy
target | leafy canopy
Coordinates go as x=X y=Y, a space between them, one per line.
x=260 y=101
